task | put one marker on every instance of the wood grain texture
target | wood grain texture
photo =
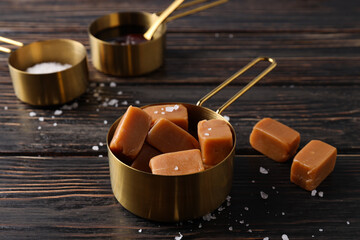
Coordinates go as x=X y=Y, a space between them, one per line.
x=55 y=185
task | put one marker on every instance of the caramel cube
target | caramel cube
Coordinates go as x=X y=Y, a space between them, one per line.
x=216 y=140
x=313 y=164
x=177 y=163
x=130 y=133
x=168 y=137
x=274 y=139
x=176 y=113
x=141 y=162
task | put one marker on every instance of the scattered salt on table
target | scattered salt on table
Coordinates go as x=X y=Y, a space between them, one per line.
x=105 y=122
x=321 y=194
x=57 y=112
x=263 y=170
x=230 y=228
x=179 y=237
x=284 y=237
x=263 y=195
x=6 y=108
x=266 y=238
x=47 y=67
x=55 y=124
x=41 y=119
x=112 y=84
x=95 y=148
x=140 y=230
x=313 y=192
x=32 y=114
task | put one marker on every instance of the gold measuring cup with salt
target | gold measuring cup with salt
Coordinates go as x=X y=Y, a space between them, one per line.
x=44 y=89
x=120 y=57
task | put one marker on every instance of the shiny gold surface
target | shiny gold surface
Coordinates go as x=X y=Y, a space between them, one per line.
x=154 y=26
x=175 y=198
x=51 y=88
x=172 y=198
x=128 y=60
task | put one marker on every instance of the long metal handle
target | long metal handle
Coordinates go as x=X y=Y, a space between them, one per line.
x=244 y=89
x=195 y=10
x=149 y=33
x=9 y=41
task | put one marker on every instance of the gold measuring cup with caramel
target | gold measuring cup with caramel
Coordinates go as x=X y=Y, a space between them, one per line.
x=118 y=45
x=181 y=197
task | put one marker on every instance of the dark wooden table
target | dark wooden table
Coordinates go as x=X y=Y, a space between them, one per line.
x=54 y=185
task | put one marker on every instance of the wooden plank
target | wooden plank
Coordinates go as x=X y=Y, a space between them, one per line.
x=70 y=197
x=330 y=114
x=239 y=16
x=206 y=58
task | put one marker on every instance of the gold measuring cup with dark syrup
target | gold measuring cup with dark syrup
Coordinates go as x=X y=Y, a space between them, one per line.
x=44 y=89
x=119 y=47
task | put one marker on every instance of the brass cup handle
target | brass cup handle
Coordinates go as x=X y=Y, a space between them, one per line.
x=9 y=41
x=233 y=77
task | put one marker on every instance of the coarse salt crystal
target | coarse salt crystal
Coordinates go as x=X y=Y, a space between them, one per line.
x=284 y=237
x=58 y=112
x=101 y=156
x=119 y=92
x=102 y=84
x=249 y=230
x=221 y=208
x=321 y=230
x=263 y=195
x=253 y=181
x=313 y=192
x=137 y=102
x=124 y=102
x=32 y=114
x=95 y=148
x=105 y=122
x=101 y=144
x=140 y=230
x=282 y=213
x=230 y=228
x=169 y=109
x=113 y=102
x=347 y=222
x=41 y=119
x=206 y=134
x=241 y=221
x=176 y=168
x=176 y=107
x=209 y=129
x=39 y=127
x=266 y=238
x=55 y=124
x=156 y=112
x=112 y=84
x=163 y=113
x=246 y=208
x=200 y=226
x=179 y=237
x=227 y=118
x=208 y=217
x=321 y=194
x=6 y=108
x=263 y=170
x=47 y=67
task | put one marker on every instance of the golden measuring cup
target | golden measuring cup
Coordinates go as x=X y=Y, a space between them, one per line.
x=49 y=88
x=138 y=59
x=177 y=198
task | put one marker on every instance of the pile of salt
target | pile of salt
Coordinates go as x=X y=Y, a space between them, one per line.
x=47 y=67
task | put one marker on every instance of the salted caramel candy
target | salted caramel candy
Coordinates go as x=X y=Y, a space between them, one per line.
x=176 y=113
x=168 y=137
x=141 y=162
x=274 y=139
x=216 y=140
x=177 y=163
x=313 y=164
x=130 y=133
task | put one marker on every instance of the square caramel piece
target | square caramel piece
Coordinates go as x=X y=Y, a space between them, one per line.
x=313 y=164
x=166 y=136
x=176 y=113
x=177 y=163
x=216 y=140
x=131 y=132
x=141 y=162
x=274 y=139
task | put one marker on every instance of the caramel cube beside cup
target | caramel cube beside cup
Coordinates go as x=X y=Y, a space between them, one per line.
x=216 y=140
x=313 y=164
x=274 y=139
x=130 y=133
x=166 y=136
x=177 y=163
x=176 y=113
